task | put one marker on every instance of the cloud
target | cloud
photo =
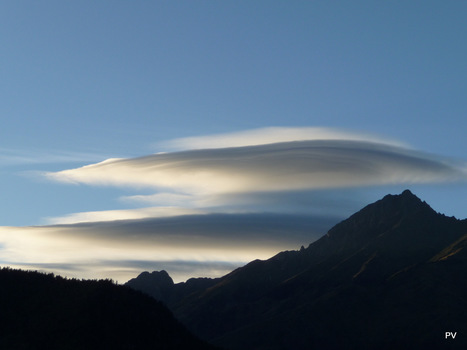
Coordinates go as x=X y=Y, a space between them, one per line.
x=209 y=243
x=221 y=202
x=9 y=157
x=270 y=135
x=123 y=214
x=266 y=177
x=285 y=166
x=160 y=199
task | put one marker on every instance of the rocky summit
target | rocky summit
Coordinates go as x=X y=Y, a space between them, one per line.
x=390 y=276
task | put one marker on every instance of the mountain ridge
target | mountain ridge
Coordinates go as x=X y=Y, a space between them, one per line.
x=356 y=272
x=40 y=311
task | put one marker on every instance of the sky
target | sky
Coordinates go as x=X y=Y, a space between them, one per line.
x=195 y=136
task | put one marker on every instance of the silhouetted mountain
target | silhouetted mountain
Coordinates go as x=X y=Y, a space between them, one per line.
x=160 y=286
x=390 y=276
x=39 y=311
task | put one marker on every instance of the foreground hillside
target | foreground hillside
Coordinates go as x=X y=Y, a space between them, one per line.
x=40 y=311
x=392 y=276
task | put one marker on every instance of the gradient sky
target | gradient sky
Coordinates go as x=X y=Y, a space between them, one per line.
x=307 y=110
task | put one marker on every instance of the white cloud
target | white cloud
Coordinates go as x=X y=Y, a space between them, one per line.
x=16 y=157
x=255 y=170
x=118 y=249
x=270 y=135
x=172 y=199
x=283 y=166
x=230 y=179
x=123 y=214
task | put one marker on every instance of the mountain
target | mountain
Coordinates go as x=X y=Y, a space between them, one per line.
x=39 y=311
x=390 y=276
x=160 y=286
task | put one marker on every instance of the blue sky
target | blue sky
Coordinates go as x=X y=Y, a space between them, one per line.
x=86 y=81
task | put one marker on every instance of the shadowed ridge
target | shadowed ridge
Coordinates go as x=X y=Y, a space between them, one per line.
x=157 y=284
x=41 y=311
x=160 y=286
x=291 y=300
x=389 y=267
x=453 y=252
x=379 y=217
x=373 y=222
x=390 y=234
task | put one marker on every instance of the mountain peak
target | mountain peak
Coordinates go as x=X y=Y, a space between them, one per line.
x=381 y=261
x=161 y=283
x=400 y=205
x=407 y=193
x=380 y=216
x=405 y=197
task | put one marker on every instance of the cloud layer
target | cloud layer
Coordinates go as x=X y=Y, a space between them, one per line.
x=270 y=135
x=122 y=214
x=284 y=166
x=243 y=171
x=211 y=244
x=221 y=202
x=10 y=157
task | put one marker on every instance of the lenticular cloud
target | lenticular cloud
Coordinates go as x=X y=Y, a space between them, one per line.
x=243 y=174
x=270 y=135
x=283 y=166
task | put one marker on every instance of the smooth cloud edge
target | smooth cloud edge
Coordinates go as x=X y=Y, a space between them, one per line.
x=270 y=135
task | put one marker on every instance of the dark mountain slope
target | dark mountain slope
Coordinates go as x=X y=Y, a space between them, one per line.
x=160 y=286
x=390 y=276
x=40 y=311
